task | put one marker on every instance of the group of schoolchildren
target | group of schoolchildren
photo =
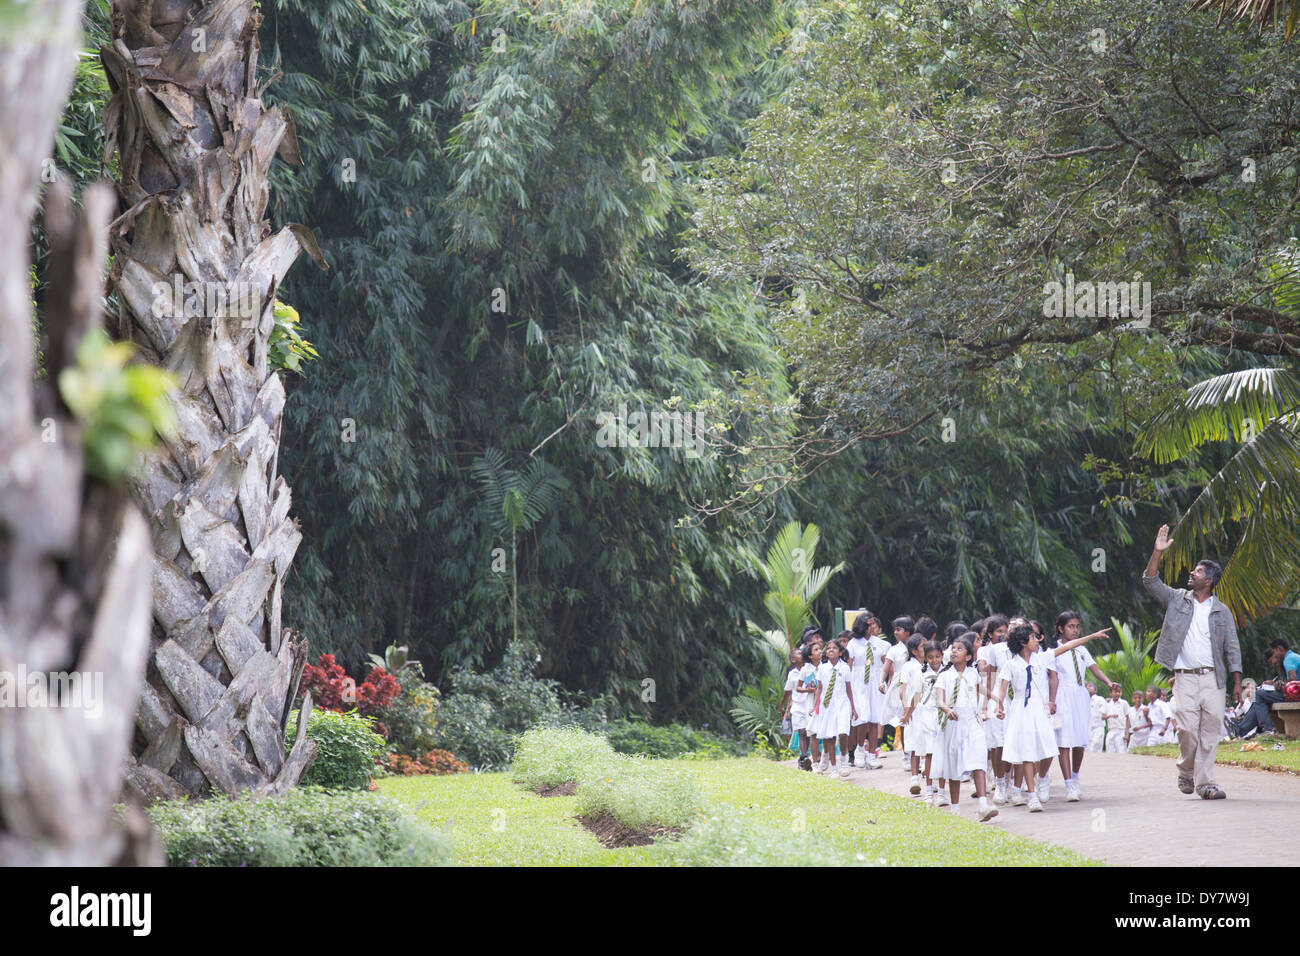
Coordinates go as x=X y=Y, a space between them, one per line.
x=996 y=698
x=1118 y=725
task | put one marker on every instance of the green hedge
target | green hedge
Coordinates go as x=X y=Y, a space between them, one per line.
x=673 y=740
x=308 y=826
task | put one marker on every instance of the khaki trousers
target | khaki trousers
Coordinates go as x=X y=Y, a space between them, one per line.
x=1198 y=708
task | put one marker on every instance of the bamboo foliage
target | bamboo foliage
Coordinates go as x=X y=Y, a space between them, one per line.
x=195 y=144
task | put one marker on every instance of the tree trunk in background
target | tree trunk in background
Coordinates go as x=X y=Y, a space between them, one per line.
x=74 y=556
x=195 y=146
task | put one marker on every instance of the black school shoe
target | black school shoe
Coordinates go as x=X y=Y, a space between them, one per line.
x=805 y=763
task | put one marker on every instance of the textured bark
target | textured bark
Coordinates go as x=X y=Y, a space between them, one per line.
x=195 y=144
x=74 y=557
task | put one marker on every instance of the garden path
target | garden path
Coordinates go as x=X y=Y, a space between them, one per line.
x=1133 y=814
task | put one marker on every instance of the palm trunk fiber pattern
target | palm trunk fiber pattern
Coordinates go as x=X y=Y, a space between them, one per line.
x=196 y=270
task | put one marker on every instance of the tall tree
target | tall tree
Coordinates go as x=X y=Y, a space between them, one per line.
x=501 y=206
x=74 y=551
x=197 y=272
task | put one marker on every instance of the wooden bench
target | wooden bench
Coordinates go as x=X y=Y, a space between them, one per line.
x=1286 y=718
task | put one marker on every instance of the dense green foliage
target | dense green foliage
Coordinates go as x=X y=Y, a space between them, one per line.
x=500 y=189
x=549 y=168
x=412 y=719
x=484 y=712
x=673 y=740
x=347 y=748
x=306 y=827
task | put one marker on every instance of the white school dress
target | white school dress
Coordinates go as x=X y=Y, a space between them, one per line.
x=1113 y=714
x=1029 y=734
x=925 y=717
x=1160 y=713
x=859 y=649
x=1096 y=726
x=835 y=715
x=800 y=703
x=1072 y=698
x=1140 y=720
x=872 y=706
x=893 y=706
x=961 y=747
x=909 y=682
x=995 y=656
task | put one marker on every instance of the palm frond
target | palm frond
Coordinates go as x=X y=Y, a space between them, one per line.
x=1258 y=13
x=1218 y=409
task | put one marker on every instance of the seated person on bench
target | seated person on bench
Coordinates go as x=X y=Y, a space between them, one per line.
x=1258 y=718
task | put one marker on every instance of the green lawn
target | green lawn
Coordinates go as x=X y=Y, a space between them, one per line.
x=1230 y=752
x=493 y=822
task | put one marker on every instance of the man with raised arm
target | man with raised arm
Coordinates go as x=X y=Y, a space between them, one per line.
x=1198 y=642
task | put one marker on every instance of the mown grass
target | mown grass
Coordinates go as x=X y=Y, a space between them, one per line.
x=787 y=817
x=1230 y=752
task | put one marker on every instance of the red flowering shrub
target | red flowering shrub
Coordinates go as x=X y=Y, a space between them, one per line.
x=377 y=692
x=332 y=689
x=434 y=762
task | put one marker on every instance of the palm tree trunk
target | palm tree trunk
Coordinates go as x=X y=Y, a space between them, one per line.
x=74 y=555
x=197 y=272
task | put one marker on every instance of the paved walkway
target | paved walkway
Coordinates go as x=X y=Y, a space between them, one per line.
x=1132 y=813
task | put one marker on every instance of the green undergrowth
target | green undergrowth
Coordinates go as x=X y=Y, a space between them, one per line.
x=736 y=811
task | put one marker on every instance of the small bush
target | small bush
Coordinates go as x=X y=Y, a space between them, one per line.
x=434 y=762
x=412 y=719
x=332 y=689
x=306 y=827
x=723 y=836
x=637 y=792
x=550 y=756
x=483 y=713
x=674 y=740
x=347 y=748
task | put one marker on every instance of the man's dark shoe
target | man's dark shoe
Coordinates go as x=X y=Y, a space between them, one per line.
x=1211 y=792
x=1186 y=784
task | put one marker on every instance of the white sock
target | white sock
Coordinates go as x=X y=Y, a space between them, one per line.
x=984 y=804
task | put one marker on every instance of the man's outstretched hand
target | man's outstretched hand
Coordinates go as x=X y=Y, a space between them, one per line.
x=1163 y=541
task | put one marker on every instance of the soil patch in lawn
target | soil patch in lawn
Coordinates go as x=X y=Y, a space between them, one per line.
x=566 y=789
x=609 y=831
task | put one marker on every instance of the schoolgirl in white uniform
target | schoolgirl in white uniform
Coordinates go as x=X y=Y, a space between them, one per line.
x=877 y=649
x=858 y=649
x=909 y=685
x=1031 y=676
x=1073 y=702
x=837 y=707
x=961 y=747
x=890 y=686
x=994 y=655
x=799 y=708
x=925 y=719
